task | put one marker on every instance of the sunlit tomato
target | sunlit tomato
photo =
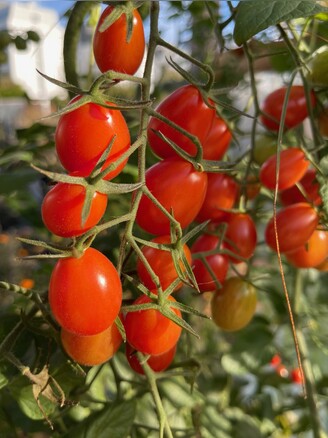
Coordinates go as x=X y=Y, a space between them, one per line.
x=62 y=210
x=312 y=253
x=85 y=293
x=218 y=263
x=92 y=350
x=241 y=236
x=161 y=262
x=233 y=306
x=310 y=188
x=186 y=108
x=83 y=134
x=295 y=224
x=157 y=363
x=221 y=194
x=149 y=331
x=296 y=376
x=292 y=167
x=178 y=187
x=296 y=107
x=113 y=50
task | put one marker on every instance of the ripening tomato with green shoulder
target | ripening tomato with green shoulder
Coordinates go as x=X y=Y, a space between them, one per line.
x=157 y=363
x=114 y=48
x=161 y=261
x=83 y=134
x=240 y=237
x=186 y=108
x=85 y=293
x=312 y=253
x=310 y=191
x=234 y=305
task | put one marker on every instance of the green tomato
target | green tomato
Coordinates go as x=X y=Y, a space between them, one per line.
x=265 y=146
x=319 y=68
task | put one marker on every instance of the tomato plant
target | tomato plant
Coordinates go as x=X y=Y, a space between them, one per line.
x=312 y=253
x=310 y=190
x=157 y=362
x=240 y=237
x=85 y=293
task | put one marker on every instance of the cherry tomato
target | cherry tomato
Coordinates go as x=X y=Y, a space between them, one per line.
x=186 y=108
x=296 y=107
x=240 y=237
x=149 y=331
x=295 y=224
x=296 y=376
x=319 y=68
x=312 y=253
x=83 y=134
x=275 y=361
x=292 y=167
x=233 y=306
x=323 y=267
x=221 y=194
x=85 y=293
x=178 y=187
x=162 y=264
x=323 y=122
x=157 y=363
x=219 y=263
x=92 y=350
x=310 y=188
x=253 y=187
x=62 y=210
x=265 y=146
x=113 y=50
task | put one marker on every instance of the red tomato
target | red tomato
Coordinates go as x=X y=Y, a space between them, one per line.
x=312 y=253
x=233 y=306
x=275 y=361
x=296 y=107
x=310 y=188
x=112 y=50
x=162 y=264
x=85 y=293
x=62 y=210
x=187 y=109
x=218 y=263
x=253 y=187
x=295 y=224
x=177 y=186
x=296 y=376
x=149 y=331
x=221 y=194
x=292 y=167
x=83 y=134
x=323 y=267
x=240 y=237
x=323 y=122
x=157 y=363
x=92 y=350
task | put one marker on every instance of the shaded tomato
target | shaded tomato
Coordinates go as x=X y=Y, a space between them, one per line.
x=85 y=293
x=296 y=107
x=92 y=350
x=319 y=67
x=162 y=264
x=149 y=331
x=178 y=187
x=83 y=134
x=157 y=362
x=295 y=224
x=253 y=187
x=292 y=167
x=113 y=50
x=310 y=188
x=187 y=109
x=241 y=236
x=218 y=263
x=62 y=210
x=221 y=194
x=323 y=122
x=233 y=306
x=265 y=146
x=312 y=253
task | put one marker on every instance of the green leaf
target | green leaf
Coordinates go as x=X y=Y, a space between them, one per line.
x=254 y=16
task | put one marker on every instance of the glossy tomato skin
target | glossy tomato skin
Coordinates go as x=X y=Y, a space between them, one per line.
x=295 y=224
x=162 y=264
x=312 y=253
x=92 y=350
x=292 y=167
x=83 y=134
x=85 y=293
x=177 y=186
x=241 y=236
x=150 y=332
x=157 y=363
x=111 y=49
x=233 y=306
x=221 y=194
x=62 y=210
x=296 y=107
x=187 y=109
x=311 y=189
x=219 y=263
